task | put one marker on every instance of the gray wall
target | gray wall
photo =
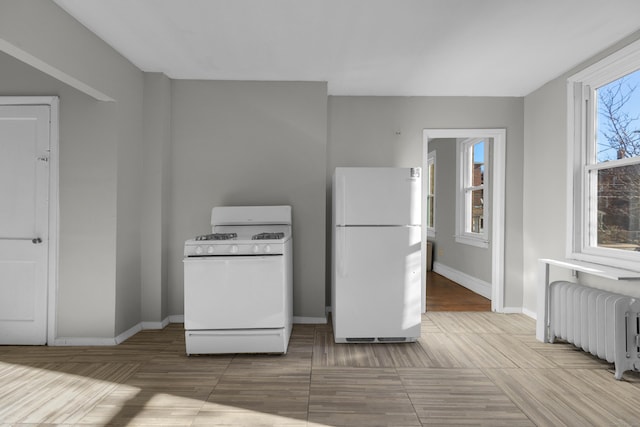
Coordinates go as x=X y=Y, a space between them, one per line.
x=251 y=143
x=545 y=181
x=387 y=131
x=86 y=295
x=167 y=151
x=100 y=161
x=154 y=228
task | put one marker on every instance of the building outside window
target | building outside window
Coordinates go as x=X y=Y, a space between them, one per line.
x=472 y=209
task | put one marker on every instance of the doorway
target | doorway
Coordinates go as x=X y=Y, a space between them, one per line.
x=28 y=219
x=443 y=294
x=493 y=242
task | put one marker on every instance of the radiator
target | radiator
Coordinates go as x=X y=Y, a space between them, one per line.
x=602 y=323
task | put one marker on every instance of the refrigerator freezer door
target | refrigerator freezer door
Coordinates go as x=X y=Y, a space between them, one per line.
x=377 y=288
x=377 y=196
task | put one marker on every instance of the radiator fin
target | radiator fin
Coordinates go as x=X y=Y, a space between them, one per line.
x=602 y=323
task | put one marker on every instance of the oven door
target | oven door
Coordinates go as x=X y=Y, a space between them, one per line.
x=234 y=292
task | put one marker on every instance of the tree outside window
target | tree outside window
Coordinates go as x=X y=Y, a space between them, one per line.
x=616 y=165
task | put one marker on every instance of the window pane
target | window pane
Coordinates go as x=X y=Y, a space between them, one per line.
x=477 y=212
x=618 y=126
x=477 y=177
x=619 y=207
x=431 y=195
x=432 y=179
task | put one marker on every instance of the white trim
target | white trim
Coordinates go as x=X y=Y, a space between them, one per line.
x=474 y=284
x=521 y=310
x=176 y=318
x=302 y=320
x=431 y=160
x=90 y=341
x=83 y=342
x=529 y=313
x=46 y=68
x=580 y=88
x=498 y=185
x=156 y=325
x=464 y=162
x=471 y=240
x=54 y=200
x=624 y=60
x=128 y=333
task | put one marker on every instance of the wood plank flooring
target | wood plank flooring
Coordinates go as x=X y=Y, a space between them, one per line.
x=468 y=368
x=446 y=295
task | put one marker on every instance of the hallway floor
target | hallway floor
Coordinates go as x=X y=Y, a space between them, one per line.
x=446 y=295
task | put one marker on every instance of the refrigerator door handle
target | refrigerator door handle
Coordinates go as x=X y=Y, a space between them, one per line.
x=341 y=246
x=343 y=192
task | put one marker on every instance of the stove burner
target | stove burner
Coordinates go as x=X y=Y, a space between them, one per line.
x=268 y=236
x=218 y=236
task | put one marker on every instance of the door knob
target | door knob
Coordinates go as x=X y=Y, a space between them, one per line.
x=36 y=240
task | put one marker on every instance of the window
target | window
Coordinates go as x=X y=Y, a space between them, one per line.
x=604 y=150
x=431 y=194
x=471 y=207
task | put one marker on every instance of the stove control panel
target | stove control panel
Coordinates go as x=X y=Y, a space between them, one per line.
x=204 y=249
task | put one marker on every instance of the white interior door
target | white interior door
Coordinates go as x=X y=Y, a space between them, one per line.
x=24 y=223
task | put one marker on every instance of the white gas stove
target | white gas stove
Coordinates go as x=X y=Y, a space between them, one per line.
x=238 y=282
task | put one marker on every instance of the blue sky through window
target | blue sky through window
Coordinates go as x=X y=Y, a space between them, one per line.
x=478 y=154
x=631 y=107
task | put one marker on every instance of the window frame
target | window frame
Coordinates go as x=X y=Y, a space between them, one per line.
x=465 y=188
x=431 y=160
x=581 y=158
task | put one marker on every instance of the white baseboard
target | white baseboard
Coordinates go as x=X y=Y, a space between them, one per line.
x=156 y=325
x=474 y=284
x=302 y=320
x=520 y=310
x=529 y=313
x=176 y=318
x=128 y=333
x=83 y=341
x=90 y=341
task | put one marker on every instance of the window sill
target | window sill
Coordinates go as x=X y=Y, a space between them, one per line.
x=479 y=242
x=599 y=270
x=623 y=264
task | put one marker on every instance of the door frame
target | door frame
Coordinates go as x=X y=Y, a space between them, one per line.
x=53 y=102
x=498 y=187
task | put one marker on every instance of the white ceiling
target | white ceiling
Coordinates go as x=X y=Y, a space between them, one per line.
x=363 y=47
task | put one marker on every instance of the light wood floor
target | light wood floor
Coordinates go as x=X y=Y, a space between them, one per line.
x=467 y=369
x=446 y=295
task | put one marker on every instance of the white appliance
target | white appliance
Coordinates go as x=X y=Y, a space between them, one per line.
x=238 y=282
x=376 y=256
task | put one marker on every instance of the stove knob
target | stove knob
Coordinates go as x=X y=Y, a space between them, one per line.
x=210 y=250
x=255 y=249
x=198 y=250
x=234 y=249
x=267 y=249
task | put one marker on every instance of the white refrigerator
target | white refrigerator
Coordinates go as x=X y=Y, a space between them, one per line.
x=376 y=255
